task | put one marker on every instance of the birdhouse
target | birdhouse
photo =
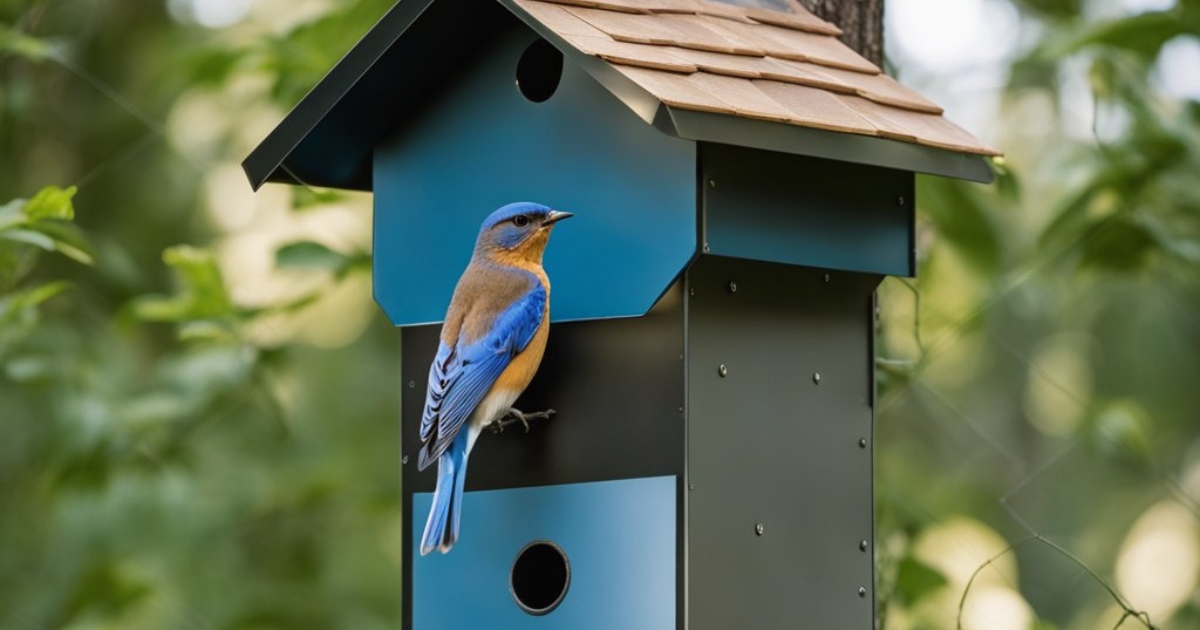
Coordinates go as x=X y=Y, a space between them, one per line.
x=741 y=182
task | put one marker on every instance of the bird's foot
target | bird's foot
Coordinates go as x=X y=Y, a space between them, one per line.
x=513 y=416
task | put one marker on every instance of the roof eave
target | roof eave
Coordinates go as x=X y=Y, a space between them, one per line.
x=267 y=162
x=846 y=147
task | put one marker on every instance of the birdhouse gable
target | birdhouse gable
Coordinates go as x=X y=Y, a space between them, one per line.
x=523 y=123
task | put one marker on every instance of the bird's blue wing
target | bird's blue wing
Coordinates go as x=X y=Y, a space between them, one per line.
x=462 y=375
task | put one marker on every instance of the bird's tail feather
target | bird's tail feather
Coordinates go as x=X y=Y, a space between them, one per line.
x=442 y=526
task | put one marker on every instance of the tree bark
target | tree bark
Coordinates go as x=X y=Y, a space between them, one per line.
x=861 y=21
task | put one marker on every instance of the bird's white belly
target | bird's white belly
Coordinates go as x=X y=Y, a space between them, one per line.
x=492 y=407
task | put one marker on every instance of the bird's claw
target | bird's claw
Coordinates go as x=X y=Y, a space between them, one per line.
x=513 y=416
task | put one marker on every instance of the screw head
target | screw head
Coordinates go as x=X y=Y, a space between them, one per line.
x=722 y=370
x=404 y=460
x=712 y=183
x=862 y=591
x=759 y=529
x=816 y=378
x=705 y=247
x=691 y=486
x=863 y=544
x=900 y=201
x=412 y=384
x=826 y=277
x=733 y=286
x=862 y=442
x=692 y=292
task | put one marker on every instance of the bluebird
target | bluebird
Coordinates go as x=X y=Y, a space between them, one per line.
x=492 y=342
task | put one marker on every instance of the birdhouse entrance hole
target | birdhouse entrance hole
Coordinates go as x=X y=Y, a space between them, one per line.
x=539 y=70
x=540 y=577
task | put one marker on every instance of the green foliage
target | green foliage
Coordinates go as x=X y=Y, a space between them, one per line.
x=1058 y=316
x=168 y=448
x=915 y=580
x=27 y=226
x=14 y=42
x=310 y=256
x=202 y=294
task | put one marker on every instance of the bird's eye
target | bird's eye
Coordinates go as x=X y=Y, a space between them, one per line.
x=520 y=220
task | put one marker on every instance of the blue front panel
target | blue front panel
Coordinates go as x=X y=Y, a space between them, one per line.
x=482 y=145
x=619 y=536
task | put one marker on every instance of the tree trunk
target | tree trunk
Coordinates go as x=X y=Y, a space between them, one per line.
x=861 y=21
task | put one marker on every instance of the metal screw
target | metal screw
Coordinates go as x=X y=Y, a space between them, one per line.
x=733 y=286
x=862 y=545
x=758 y=529
x=816 y=378
x=722 y=370
x=691 y=486
x=706 y=247
x=899 y=201
x=826 y=277
x=404 y=460
x=862 y=591
x=412 y=384
x=712 y=183
x=691 y=292
x=862 y=442
x=681 y=410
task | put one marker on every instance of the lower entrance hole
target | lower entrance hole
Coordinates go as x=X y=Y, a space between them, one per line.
x=541 y=575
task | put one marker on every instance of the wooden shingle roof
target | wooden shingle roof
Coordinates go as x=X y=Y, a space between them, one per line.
x=700 y=70
x=786 y=67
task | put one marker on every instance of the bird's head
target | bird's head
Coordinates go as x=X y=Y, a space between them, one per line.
x=518 y=232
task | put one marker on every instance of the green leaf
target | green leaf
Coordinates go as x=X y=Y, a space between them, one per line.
x=1120 y=245
x=1054 y=8
x=18 y=310
x=19 y=44
x=309 y=255
x=915 y=580
x=961 y=218
x=205 y=331
x=51 y=202
x=10 y=214
x=1124 y=427
x=202 y=294
x=1143 y=34
x=1075 y=213
x=1007 y=183
x=29 y=369
x=307 y=197
x=34 y=297
x=29 y=237
x=201 y=277
x=212 y=66
x=69 y=240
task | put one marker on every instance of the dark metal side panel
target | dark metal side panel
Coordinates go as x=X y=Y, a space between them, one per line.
x=766 y=444
x=617 y=385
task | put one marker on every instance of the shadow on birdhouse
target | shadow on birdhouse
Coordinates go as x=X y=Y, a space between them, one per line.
x=741 y=182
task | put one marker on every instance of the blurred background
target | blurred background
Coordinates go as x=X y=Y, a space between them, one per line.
x=198 y=398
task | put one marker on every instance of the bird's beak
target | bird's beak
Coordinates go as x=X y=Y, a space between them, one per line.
x=555 y=216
